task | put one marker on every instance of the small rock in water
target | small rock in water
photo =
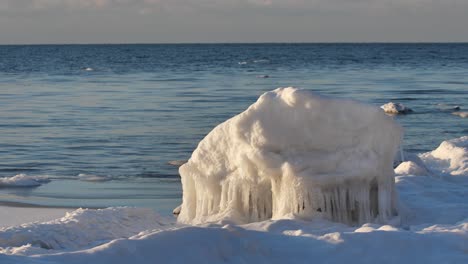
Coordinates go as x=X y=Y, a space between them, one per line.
x=395 y=108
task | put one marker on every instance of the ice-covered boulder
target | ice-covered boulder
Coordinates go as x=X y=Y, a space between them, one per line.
x=294 y=153
x=395 y=108
x=450 y=158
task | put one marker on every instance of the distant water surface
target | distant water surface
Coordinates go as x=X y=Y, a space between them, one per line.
x=123 y=111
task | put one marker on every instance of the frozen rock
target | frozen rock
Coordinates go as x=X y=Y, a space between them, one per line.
x=294 y=153
x=395 y=108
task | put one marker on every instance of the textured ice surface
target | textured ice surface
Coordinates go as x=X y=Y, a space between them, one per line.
x=294 y=152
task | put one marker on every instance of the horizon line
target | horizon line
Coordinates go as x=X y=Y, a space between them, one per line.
x=224 y=43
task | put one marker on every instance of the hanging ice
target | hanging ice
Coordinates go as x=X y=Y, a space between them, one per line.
x=294 y=152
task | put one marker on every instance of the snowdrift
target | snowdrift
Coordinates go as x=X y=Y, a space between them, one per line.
x=450 y=158
x=294 y=152
x=81 y=228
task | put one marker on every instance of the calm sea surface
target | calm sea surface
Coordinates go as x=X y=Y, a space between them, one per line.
x=124 y=111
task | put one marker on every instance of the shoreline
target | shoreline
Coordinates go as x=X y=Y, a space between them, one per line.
x=18 y=213
x=30 y=205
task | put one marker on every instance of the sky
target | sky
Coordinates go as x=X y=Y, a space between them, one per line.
x=199 y=21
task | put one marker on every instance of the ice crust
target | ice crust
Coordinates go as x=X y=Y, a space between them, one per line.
x=294 y=152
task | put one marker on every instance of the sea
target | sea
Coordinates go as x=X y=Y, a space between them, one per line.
x=104 y=122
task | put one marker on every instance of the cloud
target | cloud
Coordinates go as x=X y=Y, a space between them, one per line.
x=272 y=7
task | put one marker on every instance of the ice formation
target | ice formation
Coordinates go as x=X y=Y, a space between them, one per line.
x=395 y=108
x=23 y=180
x=450 y=158
x=294 y=153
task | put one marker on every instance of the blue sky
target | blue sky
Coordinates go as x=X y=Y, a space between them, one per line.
x=175 y=21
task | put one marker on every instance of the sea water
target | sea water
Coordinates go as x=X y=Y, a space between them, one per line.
x=120 y=113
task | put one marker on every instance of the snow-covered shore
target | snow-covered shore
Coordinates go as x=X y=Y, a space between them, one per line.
x=433 y=229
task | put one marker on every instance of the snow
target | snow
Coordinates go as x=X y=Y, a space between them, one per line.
x=410 y=168
x=23 y=180
x=294 y=152
x=81 y=228
x=450 y=158
x=433 y=229
x=11 y=216
x=395 y=108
